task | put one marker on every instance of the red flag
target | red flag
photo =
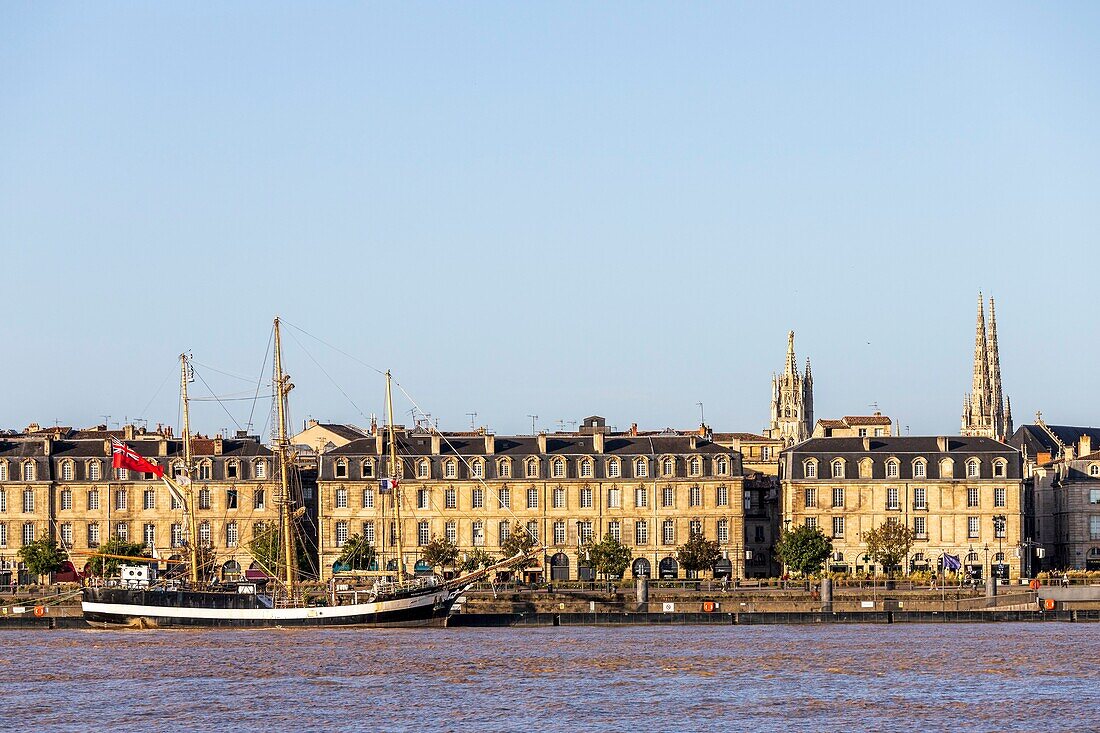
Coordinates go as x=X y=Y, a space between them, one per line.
x=125 y=457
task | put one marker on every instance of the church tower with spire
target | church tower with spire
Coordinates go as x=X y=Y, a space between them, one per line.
x=987 y=412
x=792 y=401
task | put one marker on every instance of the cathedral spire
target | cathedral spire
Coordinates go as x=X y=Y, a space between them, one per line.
x=792 y=405
x=792 y=366
x=984 y=410
x=996 y=397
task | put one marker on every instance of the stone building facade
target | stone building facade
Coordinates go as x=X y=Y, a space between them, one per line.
x=62 y=485
x=947 y=489
x=650 y=491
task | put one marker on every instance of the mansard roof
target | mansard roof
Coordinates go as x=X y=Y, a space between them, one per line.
x=525 y=445
x=905 y=450
x=925 y=445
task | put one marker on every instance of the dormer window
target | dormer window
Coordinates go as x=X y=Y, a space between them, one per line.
x=67 y=471
x=232 y=470
x=838 y=468
x=557 y=468
x=810 y=469
x=28 y=471
x=532 y=468
x=722 y=465
x=93 y=471
x=695 y=466
x=668 y=467
x=973 y=469
x=368 y=468
x=1094 y=470
x=204 y=471
x=892 y=468
x=423 y=469
x=641 y=468
x=259 y=469
x=920 y=468
x=999 y=469
x=613 y=470
x=586 y=468
x=504 y=468
x=3 y=470
x=450 y=469
x=477 y=468
x=341 y=468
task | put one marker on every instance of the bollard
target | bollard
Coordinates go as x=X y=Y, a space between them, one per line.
x=991 y=586
x=827 y=595
x=641 y=588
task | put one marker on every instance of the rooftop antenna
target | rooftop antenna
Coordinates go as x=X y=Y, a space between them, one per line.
x=561 y=426
x=472 y=416
x=106 y=422
x=874 y=406
x=572 y=426
x=701 y=420
x=533 y=418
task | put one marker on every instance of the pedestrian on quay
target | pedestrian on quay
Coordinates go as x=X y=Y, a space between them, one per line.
x=932 y=581
x=1065 y=579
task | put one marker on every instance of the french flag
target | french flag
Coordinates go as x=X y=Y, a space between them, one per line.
x=387 y=485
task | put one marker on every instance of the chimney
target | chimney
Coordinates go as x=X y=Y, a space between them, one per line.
x=436 y=443
x=1084 y=445
x=866 y=443
x=942 y=444
x=162 y=446
x=597 y=442
x=490 y=444
x=311 y=423
x=542 y=442
x=128 y=432
x=691 y=441
x=634 y=429
x=47 y=444
x=378 y=443
x=218 y=446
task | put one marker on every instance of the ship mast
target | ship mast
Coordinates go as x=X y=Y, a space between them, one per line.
x=282 y=388
x=193 y=526
x=395 y=484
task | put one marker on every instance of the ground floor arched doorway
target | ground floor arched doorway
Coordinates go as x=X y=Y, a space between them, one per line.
x=640 y=568
x=668 y=568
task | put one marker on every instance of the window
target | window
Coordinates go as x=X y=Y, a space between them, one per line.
x=766 y=452
x=341 y=498
x=341 y=533
x=176 y=503
x=613 y=468
x=232 y=470
x=614 y=497
x=504 y=469
x=28 y=471
x=811 y=469
x=93 y=470
x=532 y=498
x=809 y=498
x=641 y=533
x=972 y=469
x=149 y=499
x=368 y=533
x=450 y=469
x=999 y=469
x=67 y=535
x=758 y=533
x=838 y=469
x=892 y=502
x=532 y=469
x=505 y=496
x=258 y=499
x=423 y=469
x=477 y=469
x=1094 y=470
x=204 y=533
x=920 y=469
x=28 y=500
x=393 y=533
x=177 y=469
x=615 y=530
x=93 y=534
x=668 y=532
x=558 y=468
x=1094 y=527
x=586 y=468
x=973 y=528
x=368 y=468
x=342 y=468
x=204 y=498
x=149 y=534
x=477 y=533
x=721 y=465
x=641 y=468
x=668 y=467
x=177 y=535
x=259 y=469
x=368 y=498
x=3 y=471
x=695 y=496
x=811 y=522
x=66 y=499
x=422 y=499
x=695 y=466
x=450 y=498
x=423 y=533
x=559 y=498
x=3 y=535
x=641 y=497
x=999 y=529
x=920 y=498
x=668 y=497
x=586 y=498
x=67 y=471
x=1094 y=496
x=723 y=531
x=533 y=530
x=971 y=498
x=204 y=471
x=695 y=527
x=122 y=499
x=891 y=469
x=450 y=532
x=559 y=533
x=93 y=499
x=28 y=533
x=504 y=531
x=838 y=498
x=477 y=499
x=998 y=497
x=231 y=534
x=838 y=526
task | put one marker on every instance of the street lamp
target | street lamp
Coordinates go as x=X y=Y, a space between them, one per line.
x=999 y=522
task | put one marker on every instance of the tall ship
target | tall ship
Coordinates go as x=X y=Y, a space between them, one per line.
x=138 y=598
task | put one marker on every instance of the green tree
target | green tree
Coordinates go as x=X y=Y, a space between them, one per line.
x=804 y=549
x=357 y=553
x=888 y=544
x=520 y=540
x=43 y=556
x=440 y=552
x=267 y=549
x=609 y=556
x=101 y=565
x=476 y=560
x=698 y=553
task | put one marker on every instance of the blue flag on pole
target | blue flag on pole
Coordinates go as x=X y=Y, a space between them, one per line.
x=951 y=562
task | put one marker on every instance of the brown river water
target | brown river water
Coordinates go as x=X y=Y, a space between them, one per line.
x=957 y=677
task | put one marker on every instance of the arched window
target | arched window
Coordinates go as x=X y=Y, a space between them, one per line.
x=205 y=470
x=641 y=470
x=450 y=468
x=614 y=469
x=999 y=466
x=341 y=468
x=3 y=470
x=722 y=465
x=810 y=468
x=838 y=468
x=920 y=468
x=695 y=466
x=67 y=471
x=93 y=470
x=367 y=469
x=668 y=466
x=477 y=468
x=1094 y=469
x=504 y=468
x=586 y=468
x=557 y=468
x=28 y=471
x=423 y=468
x=893 y=468
x=259 y=469
x=531 y=467
x=973 y=468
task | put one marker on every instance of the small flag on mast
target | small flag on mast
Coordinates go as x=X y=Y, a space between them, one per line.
x=951 y=562
x=123 y=456
x=387 y=485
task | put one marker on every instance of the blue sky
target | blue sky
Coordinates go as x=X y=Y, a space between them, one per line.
x=554 y=209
